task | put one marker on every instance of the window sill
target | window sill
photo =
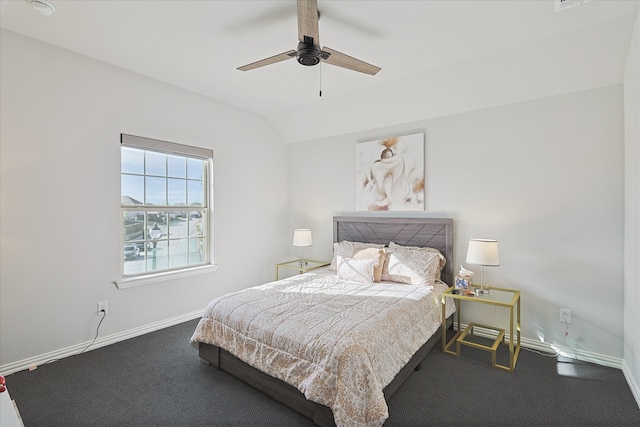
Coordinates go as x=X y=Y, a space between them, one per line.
x=130 y=282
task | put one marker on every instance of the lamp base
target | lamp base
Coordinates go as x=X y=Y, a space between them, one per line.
x=302 y=263
x=482 y=291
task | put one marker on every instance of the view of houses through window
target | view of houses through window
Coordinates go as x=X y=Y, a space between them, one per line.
x=165 y=208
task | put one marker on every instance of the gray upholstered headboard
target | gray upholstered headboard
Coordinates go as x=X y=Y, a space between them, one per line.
x=424 y=232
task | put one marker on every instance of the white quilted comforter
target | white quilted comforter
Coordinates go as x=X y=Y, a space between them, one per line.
x=339 y=342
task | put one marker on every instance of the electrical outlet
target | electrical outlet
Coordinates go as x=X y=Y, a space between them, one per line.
x=565 y=315
x=103 y=306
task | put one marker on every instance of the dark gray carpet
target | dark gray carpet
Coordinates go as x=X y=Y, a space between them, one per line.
x=157 y=380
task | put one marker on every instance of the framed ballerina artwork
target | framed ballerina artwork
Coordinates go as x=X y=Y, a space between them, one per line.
x=390 y=174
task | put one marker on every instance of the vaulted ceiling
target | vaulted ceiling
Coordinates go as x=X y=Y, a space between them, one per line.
x=437 y=57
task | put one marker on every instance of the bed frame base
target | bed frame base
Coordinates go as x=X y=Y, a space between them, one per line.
x=272 y=387
x=291 y=396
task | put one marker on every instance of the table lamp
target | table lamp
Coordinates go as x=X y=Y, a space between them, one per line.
x=483 y=252
x=302 y=238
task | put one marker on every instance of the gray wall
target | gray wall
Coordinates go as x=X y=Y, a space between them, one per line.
x=62 y=115
x=544 y=177
x=632 y=214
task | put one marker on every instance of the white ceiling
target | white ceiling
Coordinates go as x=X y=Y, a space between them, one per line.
x=197 y=45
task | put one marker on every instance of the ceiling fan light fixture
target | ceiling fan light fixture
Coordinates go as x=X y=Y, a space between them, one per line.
x=42 y=7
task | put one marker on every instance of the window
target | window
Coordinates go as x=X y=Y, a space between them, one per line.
x=165 y=203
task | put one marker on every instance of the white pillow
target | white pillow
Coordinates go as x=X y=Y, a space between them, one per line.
x=348 y=249
x=356 y=270
x=376 y=254
x=411 y=267
x=443 y=260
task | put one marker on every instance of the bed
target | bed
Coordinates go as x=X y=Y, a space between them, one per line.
x=312 y=342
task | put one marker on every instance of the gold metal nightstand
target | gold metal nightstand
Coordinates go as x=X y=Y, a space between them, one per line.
x=499 y=297
x=295 y=265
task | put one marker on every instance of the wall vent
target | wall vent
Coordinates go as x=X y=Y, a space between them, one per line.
x=567 y=4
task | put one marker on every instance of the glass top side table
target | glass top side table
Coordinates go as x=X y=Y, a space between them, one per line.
x=500 y=297
x=301 y=266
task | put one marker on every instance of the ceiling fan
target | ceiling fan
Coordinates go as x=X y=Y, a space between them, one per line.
x=308 y=51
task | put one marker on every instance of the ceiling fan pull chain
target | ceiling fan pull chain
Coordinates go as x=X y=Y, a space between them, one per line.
x=320 y=68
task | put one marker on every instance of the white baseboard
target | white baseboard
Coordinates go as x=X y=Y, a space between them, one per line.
x=582 y=355
x=32 y=362
x=633 y=385
x=573 y=353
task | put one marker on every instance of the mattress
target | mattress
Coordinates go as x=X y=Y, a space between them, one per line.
x=339 y=342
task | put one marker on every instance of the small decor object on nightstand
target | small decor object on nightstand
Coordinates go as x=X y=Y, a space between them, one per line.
x=464 y=279
x=302 y=238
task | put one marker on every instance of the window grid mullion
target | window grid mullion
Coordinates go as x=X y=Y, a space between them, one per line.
x=198 y=239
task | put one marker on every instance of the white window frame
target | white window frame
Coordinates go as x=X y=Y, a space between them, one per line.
x=149 y=144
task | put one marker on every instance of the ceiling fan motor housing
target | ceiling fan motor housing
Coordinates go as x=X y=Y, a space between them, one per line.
x=308 y=54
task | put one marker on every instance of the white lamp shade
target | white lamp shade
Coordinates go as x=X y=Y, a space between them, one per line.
x=302 y=237
x=483 y=252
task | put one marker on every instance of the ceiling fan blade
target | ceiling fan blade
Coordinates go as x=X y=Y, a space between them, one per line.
x=268 y=61
x=345 y=61
x=308 y=20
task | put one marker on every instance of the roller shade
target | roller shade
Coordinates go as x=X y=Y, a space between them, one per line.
x=143 y=143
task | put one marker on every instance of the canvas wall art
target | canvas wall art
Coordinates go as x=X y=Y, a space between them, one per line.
x=390 y=174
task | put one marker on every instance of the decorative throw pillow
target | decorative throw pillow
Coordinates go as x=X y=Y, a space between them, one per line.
x=376 y=254
x=347 y=249
x=443 y=260
x=411 y=267
x=344 y=249
x=356 y=270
